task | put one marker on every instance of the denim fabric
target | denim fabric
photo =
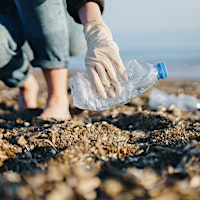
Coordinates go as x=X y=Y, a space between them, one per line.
x=52 y=36
x=14 y=66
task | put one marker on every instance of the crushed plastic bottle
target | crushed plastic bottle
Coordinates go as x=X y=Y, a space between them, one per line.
x=185 y=102
x=141 y=77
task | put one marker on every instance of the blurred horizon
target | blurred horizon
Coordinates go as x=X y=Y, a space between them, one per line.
x=171 y=45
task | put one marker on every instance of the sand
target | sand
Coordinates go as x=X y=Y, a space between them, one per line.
x=126 y=152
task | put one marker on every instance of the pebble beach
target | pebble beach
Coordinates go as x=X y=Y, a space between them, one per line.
x=128 y=152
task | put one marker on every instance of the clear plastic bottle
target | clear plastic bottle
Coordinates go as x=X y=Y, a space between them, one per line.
x=141 y=77
x=184 y=102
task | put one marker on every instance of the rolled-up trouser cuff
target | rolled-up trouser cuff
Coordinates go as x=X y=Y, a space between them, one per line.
x=47 y=64
x=16 y=71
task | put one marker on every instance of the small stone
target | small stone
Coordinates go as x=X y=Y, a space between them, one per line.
x=24 y=192
x=113 y=187
x=54 y=174
x=88 y=125
x=195 y=181
x=12 y=177
x=87 y=185
x=26 y=124
x=35 y=181
x=21 y=141
x=61 y=192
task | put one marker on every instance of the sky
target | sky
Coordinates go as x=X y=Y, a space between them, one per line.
x=152 y=15
x=165 y=28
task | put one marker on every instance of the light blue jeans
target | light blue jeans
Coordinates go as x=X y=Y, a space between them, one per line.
x=44 y=34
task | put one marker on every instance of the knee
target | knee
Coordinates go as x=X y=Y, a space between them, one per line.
x=7 y=46
x=16 y=71
x=13 y=68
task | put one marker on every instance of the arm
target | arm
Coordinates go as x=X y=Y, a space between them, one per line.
x=102 y=60
x=74 y=5
x=89 y=12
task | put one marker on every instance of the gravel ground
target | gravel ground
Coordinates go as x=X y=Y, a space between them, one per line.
x=127 y=152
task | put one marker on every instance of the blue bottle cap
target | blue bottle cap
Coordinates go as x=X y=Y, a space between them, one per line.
x=162 y=70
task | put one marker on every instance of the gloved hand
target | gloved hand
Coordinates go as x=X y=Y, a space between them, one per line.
x=103 y=60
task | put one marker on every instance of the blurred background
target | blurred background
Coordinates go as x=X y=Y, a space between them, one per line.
x=154 y=31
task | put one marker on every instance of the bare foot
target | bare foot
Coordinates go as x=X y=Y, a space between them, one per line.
x=28 y=94
x=57 y=109
x=57 y=106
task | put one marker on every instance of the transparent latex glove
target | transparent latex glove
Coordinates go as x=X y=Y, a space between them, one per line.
x=102 y=60
x=7 y=46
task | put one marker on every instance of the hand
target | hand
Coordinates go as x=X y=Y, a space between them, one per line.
x=102 y=60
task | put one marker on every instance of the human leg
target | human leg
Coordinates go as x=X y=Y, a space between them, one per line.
x=52 y=45
x=45 y=26
x=57 y=105
x=28 y=92
x=14 y=66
